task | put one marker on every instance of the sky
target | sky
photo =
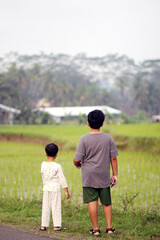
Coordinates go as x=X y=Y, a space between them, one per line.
x=93 y=27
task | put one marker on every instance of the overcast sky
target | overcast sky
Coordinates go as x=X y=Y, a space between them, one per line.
x=94 y=27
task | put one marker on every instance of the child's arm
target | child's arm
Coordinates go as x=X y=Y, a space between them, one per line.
x=114 y=165
x=42 y=174
x=63 y=182
x=77 y=163
x=67 y=193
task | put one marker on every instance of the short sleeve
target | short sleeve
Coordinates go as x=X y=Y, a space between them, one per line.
x=113 y=149
x=80 y=152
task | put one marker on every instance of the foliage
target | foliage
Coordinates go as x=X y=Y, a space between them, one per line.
x=140 y=117
x=23 y=89
x=109 y=118
x=82 y=119
x=23 y=85
x=122 y=84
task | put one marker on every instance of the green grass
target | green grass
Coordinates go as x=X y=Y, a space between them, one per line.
x=60 y=133
x=135 y=200
x=26 y=215
x=135 y=130
x=72 y=133
x=136 y=137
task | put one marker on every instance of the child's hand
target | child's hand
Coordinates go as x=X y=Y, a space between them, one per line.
x=67 y=195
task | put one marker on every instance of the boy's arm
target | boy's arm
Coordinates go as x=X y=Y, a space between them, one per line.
x=77 y=163
x=114 y=165
x=80 y=153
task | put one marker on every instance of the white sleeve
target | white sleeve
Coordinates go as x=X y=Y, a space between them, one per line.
x=61 y=177
x=42 y=171
x=42 y=167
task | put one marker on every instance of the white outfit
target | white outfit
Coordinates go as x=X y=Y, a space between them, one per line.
x=53 y=178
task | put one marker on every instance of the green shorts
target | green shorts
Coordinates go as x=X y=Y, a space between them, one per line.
x=92 y=194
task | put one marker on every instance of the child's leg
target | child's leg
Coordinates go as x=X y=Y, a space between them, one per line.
x=93 y=213
x=56 y=209
x=45 y=210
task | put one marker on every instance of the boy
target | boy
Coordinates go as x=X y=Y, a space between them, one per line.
x=53 y=179
x=95 y=151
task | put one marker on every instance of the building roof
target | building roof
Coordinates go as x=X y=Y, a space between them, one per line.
x=9 y=109
x=76 y=111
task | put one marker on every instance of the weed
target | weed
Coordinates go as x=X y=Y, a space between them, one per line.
x=128 y=200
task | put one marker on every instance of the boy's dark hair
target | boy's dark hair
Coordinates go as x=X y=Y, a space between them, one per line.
x=51 y=149
x=96 y=119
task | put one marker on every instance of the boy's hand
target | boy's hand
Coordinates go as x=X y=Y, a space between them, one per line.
x=77 y=163
x=114 y=180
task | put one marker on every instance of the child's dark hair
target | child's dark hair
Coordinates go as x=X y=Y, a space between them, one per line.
x=51 y=149
x=96 y=119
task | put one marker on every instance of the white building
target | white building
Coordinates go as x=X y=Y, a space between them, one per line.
x=7 y=114
x=60 y=113
x=156 y=118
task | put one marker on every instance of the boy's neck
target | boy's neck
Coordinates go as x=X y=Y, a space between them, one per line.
x=94 y=131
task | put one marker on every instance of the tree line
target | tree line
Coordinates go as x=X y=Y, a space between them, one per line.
x=24 y=88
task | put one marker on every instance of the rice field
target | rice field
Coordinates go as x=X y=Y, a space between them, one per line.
x=135 y=130
x=139 y=172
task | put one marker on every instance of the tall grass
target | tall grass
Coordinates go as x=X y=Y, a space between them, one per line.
x=72 y=133
x=20 y=175
x=135 y=130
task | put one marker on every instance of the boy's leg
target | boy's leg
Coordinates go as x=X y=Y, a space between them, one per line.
x=45 y=210
x=105 y=197
x=93 y=213
x=56 y=210
x=108 y=215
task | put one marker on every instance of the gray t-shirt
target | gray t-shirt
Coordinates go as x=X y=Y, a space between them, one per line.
x=94 y=151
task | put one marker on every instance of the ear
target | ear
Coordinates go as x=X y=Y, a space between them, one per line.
x=88 y=123
x=102 y=124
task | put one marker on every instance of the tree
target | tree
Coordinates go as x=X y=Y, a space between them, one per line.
x=122 y=83
x=153 y=98
x=140 y=93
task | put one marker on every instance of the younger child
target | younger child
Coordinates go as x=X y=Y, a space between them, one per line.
x=53 y=179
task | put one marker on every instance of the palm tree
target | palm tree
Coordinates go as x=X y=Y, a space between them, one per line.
x=140 y=93
x=122 y=84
